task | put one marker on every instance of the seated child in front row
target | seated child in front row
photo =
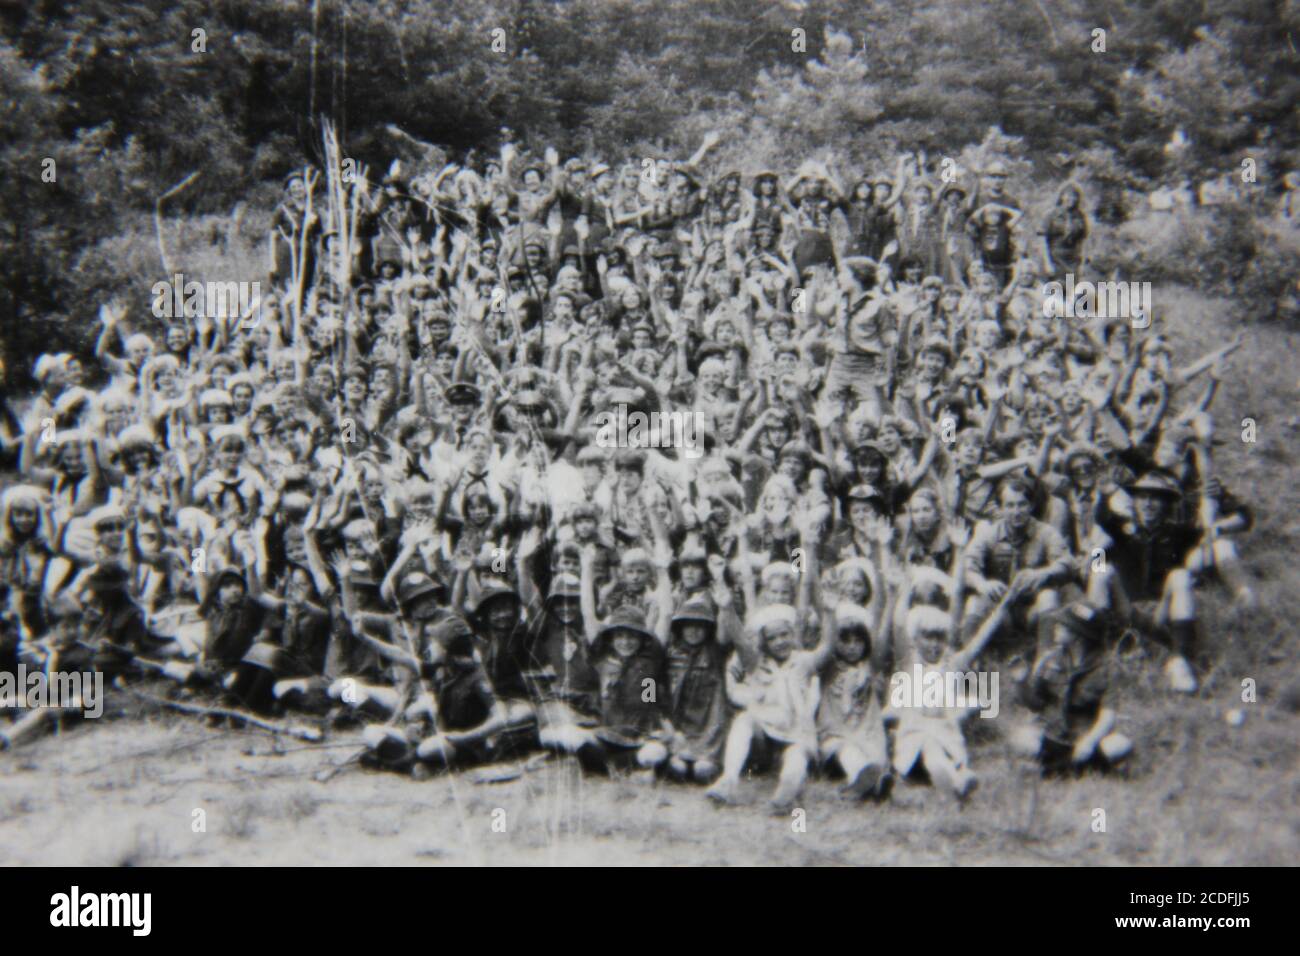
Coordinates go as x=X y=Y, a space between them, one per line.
x=1065 y=689
x=850 y=729
x=701 y=634
x=777 y=697
x=931 y=737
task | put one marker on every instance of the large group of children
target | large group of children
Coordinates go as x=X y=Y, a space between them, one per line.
x=381 y=493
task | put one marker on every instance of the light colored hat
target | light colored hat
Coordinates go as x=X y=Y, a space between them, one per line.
x=357 y=529
x=773 y=615
x=926 y=618
x=134 y=436
x=214 y=396
x=222 y=432
x=848 y=615
x=106 y=513
x=195 y=522
x=17 y=493
x=634 y=556
x=47 y=364
x=774 y=570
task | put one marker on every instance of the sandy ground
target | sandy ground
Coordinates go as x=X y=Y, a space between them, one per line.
x=124 y=791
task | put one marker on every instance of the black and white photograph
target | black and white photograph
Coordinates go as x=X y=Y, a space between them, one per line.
x=659 y=433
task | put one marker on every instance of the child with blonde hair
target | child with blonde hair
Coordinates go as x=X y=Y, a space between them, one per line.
x=774 y=682
x=931 y=736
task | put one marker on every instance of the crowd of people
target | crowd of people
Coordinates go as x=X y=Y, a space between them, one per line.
x=381 y=495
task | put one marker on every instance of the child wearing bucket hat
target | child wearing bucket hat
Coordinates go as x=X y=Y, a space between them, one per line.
x=563 y=681
x=457 y=715
x=701 y=630
x=634 y=690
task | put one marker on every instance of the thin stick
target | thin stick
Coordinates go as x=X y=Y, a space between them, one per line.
x=157 y=216
x=300 y=732
x=328 y=774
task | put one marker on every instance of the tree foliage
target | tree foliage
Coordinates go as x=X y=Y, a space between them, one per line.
x=117 y=94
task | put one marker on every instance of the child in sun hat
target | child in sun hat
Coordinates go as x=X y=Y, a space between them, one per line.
x=626 y=651
x=634 y=690
x=702 y=629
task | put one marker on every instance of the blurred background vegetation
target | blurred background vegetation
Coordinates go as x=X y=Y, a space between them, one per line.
x=115 y=93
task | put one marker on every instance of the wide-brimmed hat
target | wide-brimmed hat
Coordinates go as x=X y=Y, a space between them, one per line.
x=870 y=446
x=490 y=591
x=865 y=492
x=564 y=586
x=624 y=618
x=136 y=436
x=462 y=393
x=453 y=634
x=106 y=513
x=696 y=610
x=1157 y=483
x=1083 y=450
x=111 y=579
x=415 y=586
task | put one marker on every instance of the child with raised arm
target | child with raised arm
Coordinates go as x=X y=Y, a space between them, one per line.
x=776 y=687
x=628 y=657
x=931 y=736
x=701 y=632
x=850 y=728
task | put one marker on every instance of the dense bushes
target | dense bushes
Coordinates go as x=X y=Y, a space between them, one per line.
x=1231 y=250
x=127 y=102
